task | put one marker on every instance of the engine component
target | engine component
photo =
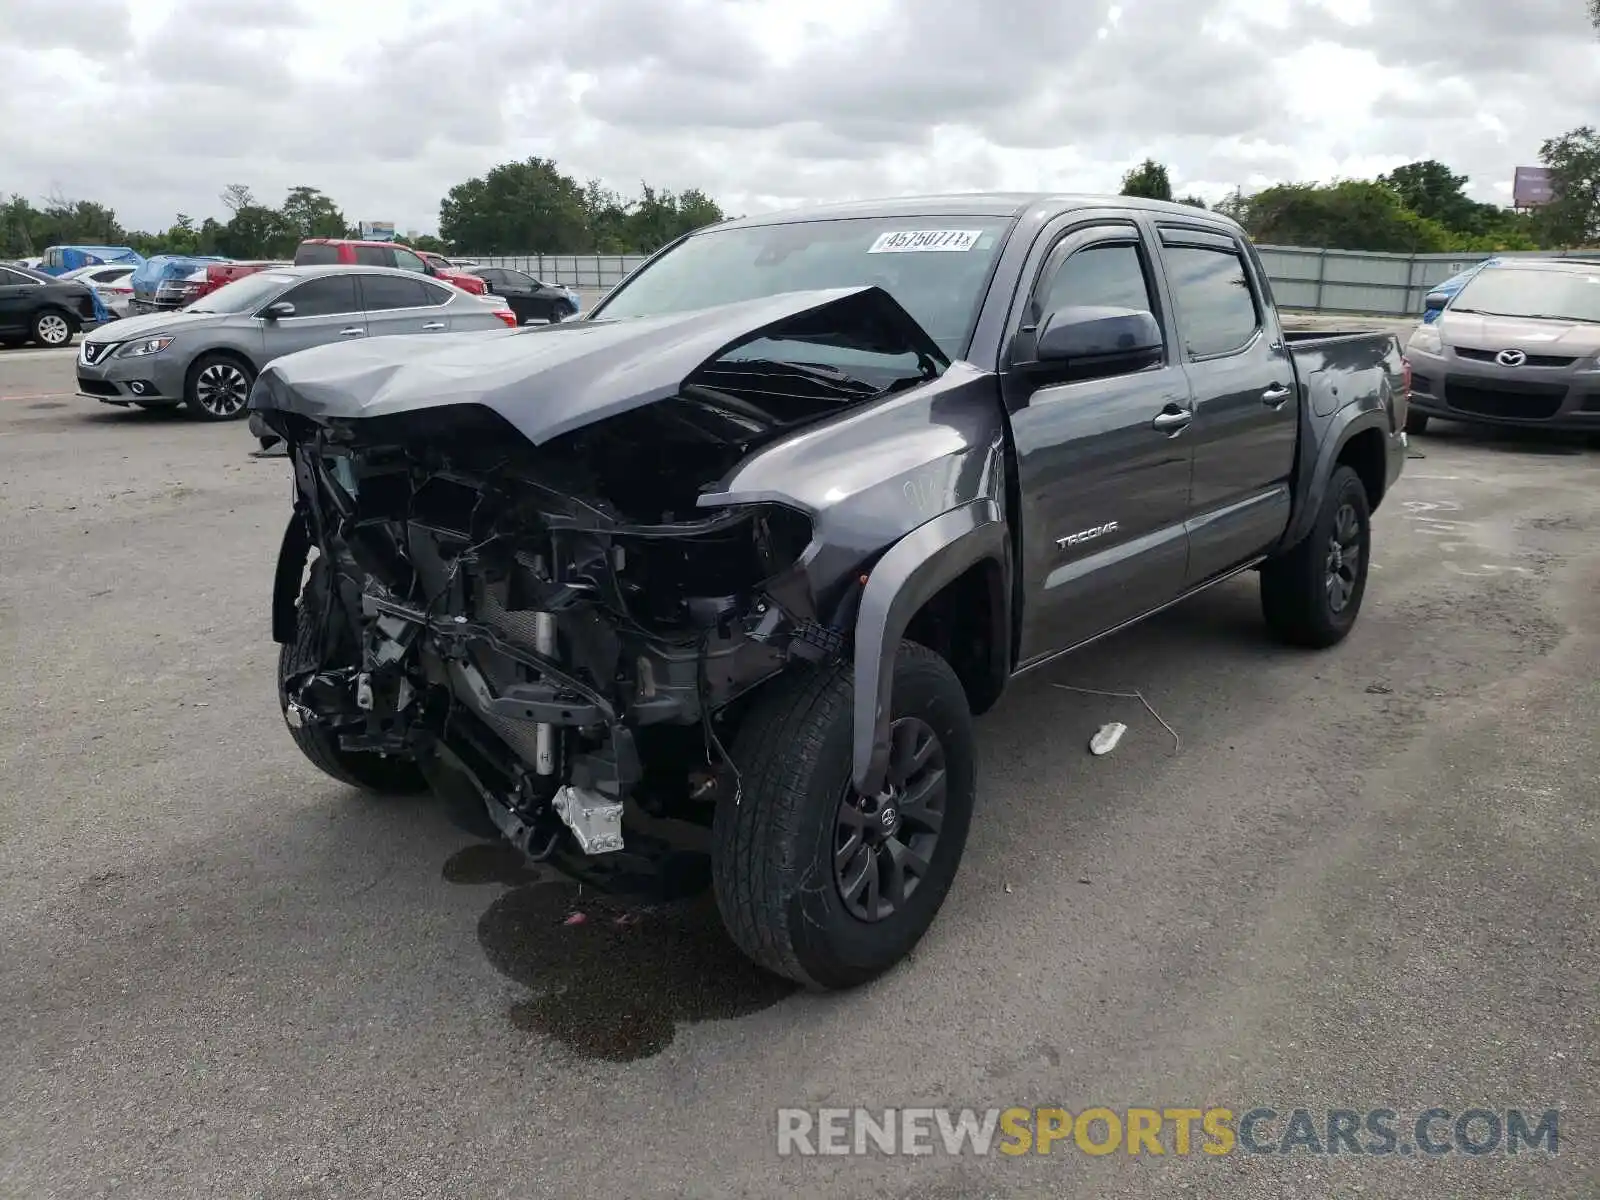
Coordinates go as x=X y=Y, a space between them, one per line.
x=595 y=819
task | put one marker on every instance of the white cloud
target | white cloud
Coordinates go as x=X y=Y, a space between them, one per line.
x=153 y=106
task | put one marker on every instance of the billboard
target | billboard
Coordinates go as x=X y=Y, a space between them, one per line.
x=379 y=231
x=1531 y=187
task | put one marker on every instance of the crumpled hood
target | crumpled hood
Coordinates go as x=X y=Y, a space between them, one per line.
x=548 y=380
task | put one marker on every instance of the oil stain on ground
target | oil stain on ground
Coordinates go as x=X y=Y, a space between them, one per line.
x=610 y=979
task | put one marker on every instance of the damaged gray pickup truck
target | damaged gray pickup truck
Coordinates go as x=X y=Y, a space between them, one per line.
x=708 y=585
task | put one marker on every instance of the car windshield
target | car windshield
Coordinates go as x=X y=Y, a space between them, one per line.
x=936 y=267
x=1510 y=292
x=243 y=295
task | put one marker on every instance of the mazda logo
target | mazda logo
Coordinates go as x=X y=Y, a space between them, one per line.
x=1511 y=358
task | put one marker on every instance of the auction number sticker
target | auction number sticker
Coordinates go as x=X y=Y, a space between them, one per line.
x=909 y=241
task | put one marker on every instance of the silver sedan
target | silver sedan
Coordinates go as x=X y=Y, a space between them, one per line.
x=206 y=356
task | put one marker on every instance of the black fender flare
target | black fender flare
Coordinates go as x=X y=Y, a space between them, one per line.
x=293 y=552
x=1335 y=436
x=909 y=574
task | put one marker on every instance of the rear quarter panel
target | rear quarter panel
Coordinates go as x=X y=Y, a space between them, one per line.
x=1350 y=383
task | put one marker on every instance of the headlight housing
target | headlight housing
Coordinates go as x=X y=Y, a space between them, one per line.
x=145 y=346
x=1427 y=340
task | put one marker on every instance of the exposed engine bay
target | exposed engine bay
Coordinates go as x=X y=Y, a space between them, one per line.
x=561 y=631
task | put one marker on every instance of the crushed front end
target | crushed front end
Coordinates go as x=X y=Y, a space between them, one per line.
x=556 y=632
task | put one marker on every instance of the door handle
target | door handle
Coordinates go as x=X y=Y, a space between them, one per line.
x=1172 y=421
x=1276 y=395
x=353 y=331
x=434 y=325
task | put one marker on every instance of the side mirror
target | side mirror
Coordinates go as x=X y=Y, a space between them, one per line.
x=1071 y=335
x=282 y=308
x=1435 y=302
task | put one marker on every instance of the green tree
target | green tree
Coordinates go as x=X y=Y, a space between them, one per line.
x=1193 y=201
x=1430 y=189
x=1572 y=218
x=256 y=231
x=516 y=208
x=1149 y=179
x=606 y=216
x=312 y=213
x=236 y=196
x=428 y=242
x=1353 y=214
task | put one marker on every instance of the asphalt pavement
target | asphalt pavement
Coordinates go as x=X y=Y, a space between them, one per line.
x=1368 y=878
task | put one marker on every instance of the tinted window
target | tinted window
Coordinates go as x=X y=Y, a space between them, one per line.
x=1216 y=309
x=315 y=254
x=374 y=256
x=325 y=297
x=380 y=292
x=519 y=279
x=1510 y=292
x=1099 y=275
x=13 y=278
x=244 y=295
x=408 y=261
x=433 y=293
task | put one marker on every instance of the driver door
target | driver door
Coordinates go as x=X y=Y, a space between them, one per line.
x=1104 y=483
x=326 y=309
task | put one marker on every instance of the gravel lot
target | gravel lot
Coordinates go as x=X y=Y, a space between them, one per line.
x=1367 y=879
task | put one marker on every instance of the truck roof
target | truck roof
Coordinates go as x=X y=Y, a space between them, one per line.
x=983 y=204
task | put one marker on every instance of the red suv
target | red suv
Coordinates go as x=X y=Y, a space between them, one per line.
x=318 y=251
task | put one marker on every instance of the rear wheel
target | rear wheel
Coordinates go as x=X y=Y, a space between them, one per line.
x=1312 y=594
x=372 y=772
x=51 y=329
x=218 y=387
x=815 y=882
x=1416 y=422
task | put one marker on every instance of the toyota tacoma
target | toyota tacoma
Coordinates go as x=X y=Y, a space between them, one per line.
x=709 y=584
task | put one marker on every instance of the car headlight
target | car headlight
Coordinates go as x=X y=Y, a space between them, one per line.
x=1427 y=340
x=139 y=349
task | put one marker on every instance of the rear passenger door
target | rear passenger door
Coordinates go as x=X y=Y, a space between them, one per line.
x=1102 y=453
x=1246 y=412
x=404 y=304
x=18 y=294
x=326 y=309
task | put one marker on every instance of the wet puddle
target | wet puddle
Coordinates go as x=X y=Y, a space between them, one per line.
x=610 y=978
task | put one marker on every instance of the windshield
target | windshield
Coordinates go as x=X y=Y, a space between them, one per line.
x=1510 y=292
x=243 y=295
x=936 y=267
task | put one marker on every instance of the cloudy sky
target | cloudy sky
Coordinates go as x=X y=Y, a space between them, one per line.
x=152 y=106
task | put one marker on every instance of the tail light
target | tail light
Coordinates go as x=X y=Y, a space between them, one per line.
x=506 y=315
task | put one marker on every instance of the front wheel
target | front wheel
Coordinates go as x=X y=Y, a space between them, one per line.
x=371 y=772
x=1312 y=594
x=815 y=882
x=218 y=387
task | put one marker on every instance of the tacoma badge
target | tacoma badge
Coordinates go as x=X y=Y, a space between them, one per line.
x=1086 y=535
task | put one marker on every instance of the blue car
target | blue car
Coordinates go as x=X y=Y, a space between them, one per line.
x=1439 y=295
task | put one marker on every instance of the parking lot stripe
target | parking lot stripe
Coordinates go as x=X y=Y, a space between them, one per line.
x=37 y=396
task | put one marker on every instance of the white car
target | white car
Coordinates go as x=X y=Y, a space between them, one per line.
x=112 y=282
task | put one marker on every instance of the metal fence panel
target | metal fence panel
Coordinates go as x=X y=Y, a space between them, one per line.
x=1303 y=277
